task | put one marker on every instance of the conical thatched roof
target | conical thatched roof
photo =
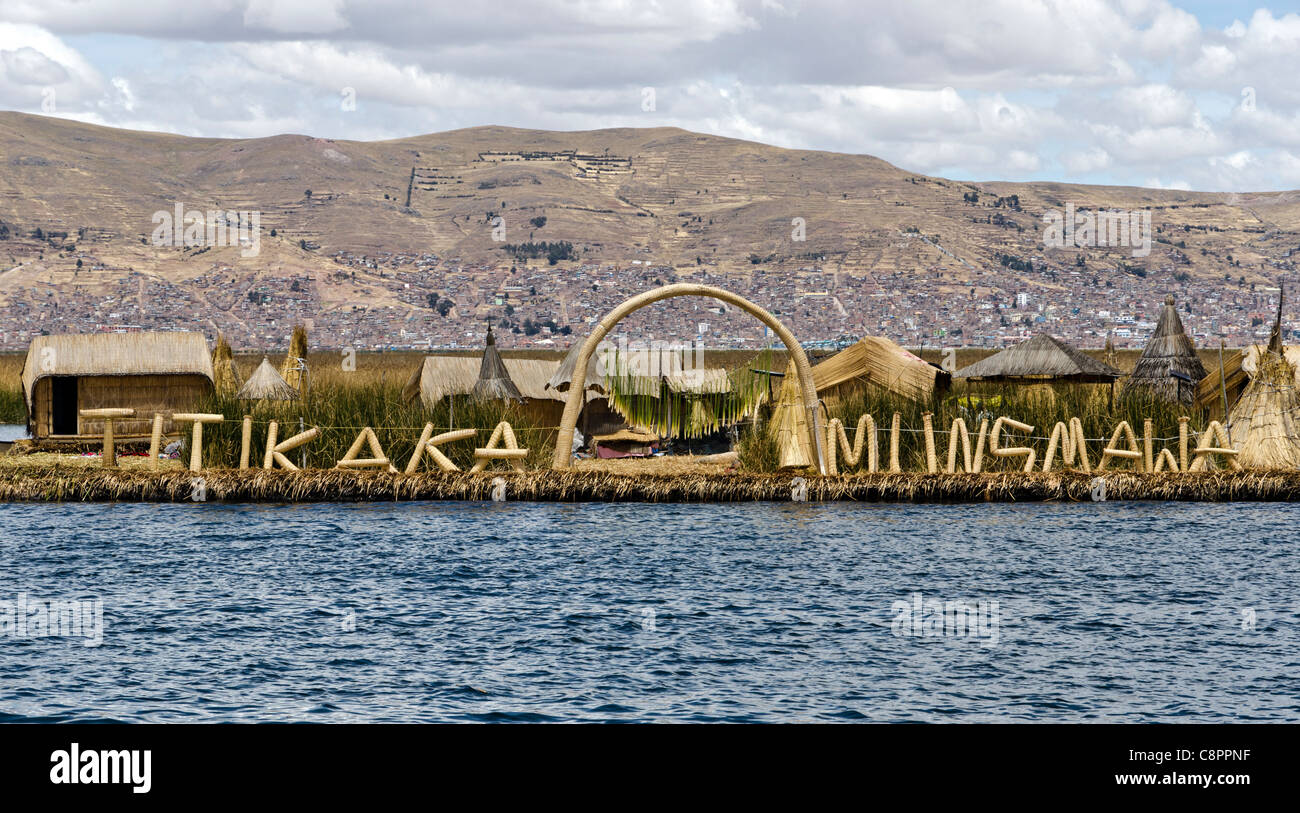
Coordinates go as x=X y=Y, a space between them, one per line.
x=1169 y=367
x=790 y=423
x=1264 y=424
x=265 y=384
x=223 y=367
x=290 y=370
x=440 y=376
x=494 y=383
x=1042 y=357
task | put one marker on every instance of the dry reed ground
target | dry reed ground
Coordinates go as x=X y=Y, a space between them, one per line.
x=40 y=462
x=322 y=485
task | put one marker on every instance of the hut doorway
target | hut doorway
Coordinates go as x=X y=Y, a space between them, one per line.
x=63 y=405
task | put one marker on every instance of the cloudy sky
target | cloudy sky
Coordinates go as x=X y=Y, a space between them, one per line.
x=1188 y=94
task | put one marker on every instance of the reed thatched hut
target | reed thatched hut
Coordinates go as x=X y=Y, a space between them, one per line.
x=266 y=384
x=872 y=364
x=494 y=382
x=1169 y=368
x=691 y=403
x=877 y=363
x=1042 y=362
x=1223 y=385
x=147 y=372
x=440 y=377
x=597 y=416
x=1264 y=424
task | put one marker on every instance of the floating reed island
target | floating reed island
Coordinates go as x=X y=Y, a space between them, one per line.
x=63 y=484
x=1038 y=421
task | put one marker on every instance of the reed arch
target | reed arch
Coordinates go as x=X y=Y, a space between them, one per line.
x=577 y=385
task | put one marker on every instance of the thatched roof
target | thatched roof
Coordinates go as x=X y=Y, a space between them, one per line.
x=1042 y=357
x=1264 y=424
x=707 y=380
x=290 y=369
x=224 y=369
x=696 y=381
x=116 y=354
x=626 y=436
x=563 y=375
x=494 y=382
x=1228 y=379
x=1169 y=367
x=440 y=376
x=790 y=424
x=265 y=384
x=878 y=362
x=1240 y=367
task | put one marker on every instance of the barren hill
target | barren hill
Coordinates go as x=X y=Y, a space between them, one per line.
x=684 y=204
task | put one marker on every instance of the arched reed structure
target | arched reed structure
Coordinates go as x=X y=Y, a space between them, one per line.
x=572 y=406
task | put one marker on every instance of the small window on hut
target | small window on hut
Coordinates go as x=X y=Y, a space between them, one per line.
x=63 y=405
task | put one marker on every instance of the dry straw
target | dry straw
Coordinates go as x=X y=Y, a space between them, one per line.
x=321 y=485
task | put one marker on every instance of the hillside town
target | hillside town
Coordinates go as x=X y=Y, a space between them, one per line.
x=420 y=301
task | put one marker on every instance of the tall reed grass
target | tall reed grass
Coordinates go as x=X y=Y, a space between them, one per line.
x=341 y=411
x=1041 y=408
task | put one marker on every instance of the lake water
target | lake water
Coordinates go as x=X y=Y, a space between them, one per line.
x=756 y=612
x=12 y=431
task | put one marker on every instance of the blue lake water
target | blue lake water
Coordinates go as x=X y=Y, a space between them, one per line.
x=757 y=612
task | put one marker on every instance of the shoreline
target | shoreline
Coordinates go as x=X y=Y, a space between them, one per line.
x=94 y=484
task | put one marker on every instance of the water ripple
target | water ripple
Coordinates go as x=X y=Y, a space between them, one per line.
x=544 y=612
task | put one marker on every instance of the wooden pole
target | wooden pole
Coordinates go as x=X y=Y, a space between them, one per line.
x=196 y=434
x=1223 y=387
x=1148 y=464
x=1182 y=441
x=109 y=459
x=894 y=428
x=931 y=463
x=271 y=430
x=155 y=440
x=110 y=454
x=246 y=442
x=196 y=446
x=425 y=434
x=297 y=440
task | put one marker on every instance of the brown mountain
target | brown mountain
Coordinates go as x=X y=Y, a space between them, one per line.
x=662 y=196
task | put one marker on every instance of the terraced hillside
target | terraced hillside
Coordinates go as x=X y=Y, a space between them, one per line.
x=77 y=202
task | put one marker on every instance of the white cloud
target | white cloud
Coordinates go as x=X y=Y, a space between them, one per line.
x=35 y=65
x=1113 y=91
x=1086 y=161
x=296 y=16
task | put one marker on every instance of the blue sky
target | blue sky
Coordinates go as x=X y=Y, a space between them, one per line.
x=1186 y=94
